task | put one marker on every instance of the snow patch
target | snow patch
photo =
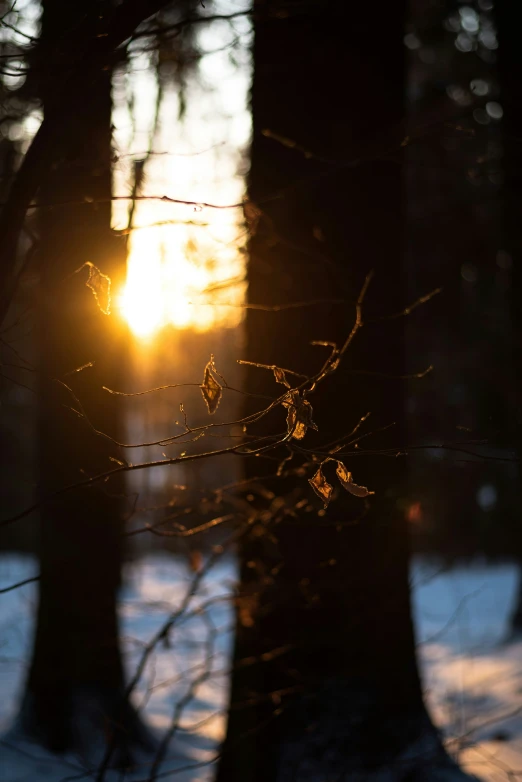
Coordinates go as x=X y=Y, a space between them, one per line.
x=473 y=681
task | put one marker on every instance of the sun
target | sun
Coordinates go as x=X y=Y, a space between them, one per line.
x=178 y=276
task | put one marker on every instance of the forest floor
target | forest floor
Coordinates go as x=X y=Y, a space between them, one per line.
x=472 y=677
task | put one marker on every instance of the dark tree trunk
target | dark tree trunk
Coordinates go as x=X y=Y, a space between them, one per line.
x=509 y=19
x=74 y=692
x=329 y=592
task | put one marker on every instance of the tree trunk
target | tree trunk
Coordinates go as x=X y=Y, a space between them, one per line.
x=74 y=692
x=325 y=681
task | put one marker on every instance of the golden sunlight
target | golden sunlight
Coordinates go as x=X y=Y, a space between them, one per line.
x=174 y=279
x=185 y=264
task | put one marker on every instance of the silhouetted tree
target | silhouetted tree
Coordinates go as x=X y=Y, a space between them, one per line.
x=325 y=680
x=74 y=691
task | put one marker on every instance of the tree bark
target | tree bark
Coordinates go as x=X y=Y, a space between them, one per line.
x=74 y=692
x=325 y=681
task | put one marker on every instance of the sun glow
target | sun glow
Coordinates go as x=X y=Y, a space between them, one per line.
x=185 y=264
x=173 y=279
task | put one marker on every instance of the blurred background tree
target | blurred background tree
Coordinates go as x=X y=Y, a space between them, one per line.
x=75 y=685
x=459 y=506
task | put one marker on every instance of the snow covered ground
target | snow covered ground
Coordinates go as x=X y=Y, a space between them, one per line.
x=473 y=681
x=472 y=678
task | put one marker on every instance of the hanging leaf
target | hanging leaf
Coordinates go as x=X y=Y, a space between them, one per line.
x=100 y=285
x=211 y=389
x=299 y=417
x=304 y=414
x=322 y=488
x=346 y=479
x=280 y=376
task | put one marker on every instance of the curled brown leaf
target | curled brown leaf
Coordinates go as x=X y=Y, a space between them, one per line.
x=299 y=416
x=211 y=389
x=322 y=488
x=345 y=477
x=280 y=376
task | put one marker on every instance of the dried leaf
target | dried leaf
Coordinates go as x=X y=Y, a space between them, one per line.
x=280 y=376
x=211 y=389
x=299 y=417
x=100 y=285
x=322 y=488
x=294 y=427
x=304 y=414
x=346 y=479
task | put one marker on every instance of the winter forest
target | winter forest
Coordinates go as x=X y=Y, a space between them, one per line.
x=260 y=390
